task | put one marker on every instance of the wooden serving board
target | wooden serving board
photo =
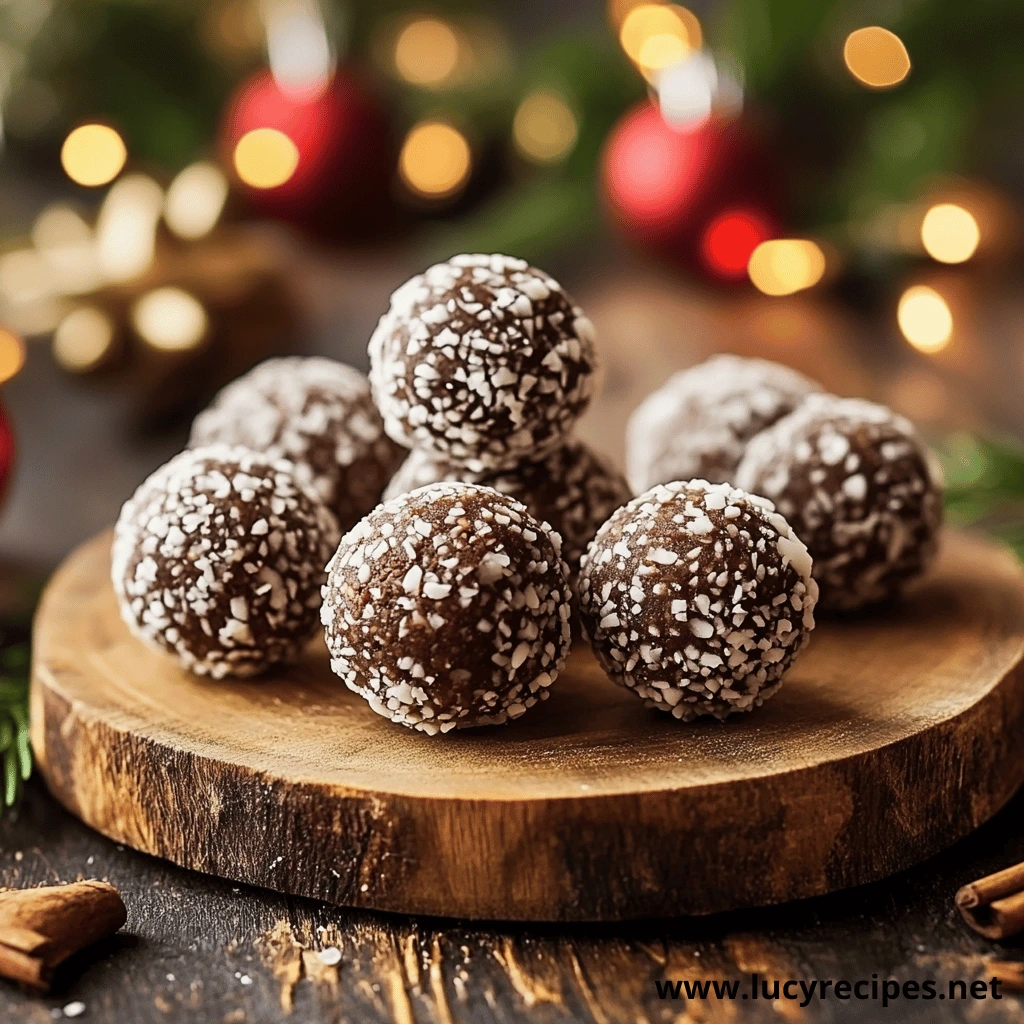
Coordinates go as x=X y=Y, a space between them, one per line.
x=895 y=734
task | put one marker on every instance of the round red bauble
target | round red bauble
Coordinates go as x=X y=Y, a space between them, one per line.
x=341 y=184
x=704 y=195
x=6 y=451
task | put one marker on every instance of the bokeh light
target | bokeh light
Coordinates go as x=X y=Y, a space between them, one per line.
x=298 y=50
x=82 y=339
x=25 y=277
x=925 y=319
x=12 y=354
x=126 y=227
x=435 y=160
x=782 y=266
x=195 y=200
x=93 y=155
x=170 y=319
x=730 y=239
x=544 y=127
x=656 y=36
x=65 y=241
x=265 y=158
x=876 y=57
x=949 y=233
x=426 y=52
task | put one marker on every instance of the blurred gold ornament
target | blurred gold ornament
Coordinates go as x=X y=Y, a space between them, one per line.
x=435 y=161
x=925 y=319
x=93 y=154
x=876 y=57
x=265 y=158
x=544 y=127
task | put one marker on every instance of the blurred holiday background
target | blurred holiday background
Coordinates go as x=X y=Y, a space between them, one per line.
x=188 y=187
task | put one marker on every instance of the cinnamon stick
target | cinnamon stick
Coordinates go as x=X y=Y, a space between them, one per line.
x=40 y=928
x=994 y=905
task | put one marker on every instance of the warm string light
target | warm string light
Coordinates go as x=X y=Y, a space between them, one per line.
x=949 y=233
x=12 y=354
x=435 y=161
x=265 y=158
x=195 y=200
x=544 y=128
x=876 y=57
x=783 y=266
x=170 y=319
x=925 y=319
x=426 y=53
x=83 y=339
x=656 y=36
x=93 y=155
x=126 y=228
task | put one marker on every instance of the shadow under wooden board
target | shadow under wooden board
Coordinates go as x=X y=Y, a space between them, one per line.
x=895 y=734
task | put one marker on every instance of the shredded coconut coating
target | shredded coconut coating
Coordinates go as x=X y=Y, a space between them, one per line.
x=219 y=557
x=697 y=424
x=447 y=608
x=319 y=414
x=483 y=360
x=574 y=489
x=861 y=489
x=698 y=597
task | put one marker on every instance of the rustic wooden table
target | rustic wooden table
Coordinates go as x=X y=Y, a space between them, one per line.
x=200 y=949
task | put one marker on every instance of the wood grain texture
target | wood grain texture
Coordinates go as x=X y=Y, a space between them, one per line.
x=895 y=735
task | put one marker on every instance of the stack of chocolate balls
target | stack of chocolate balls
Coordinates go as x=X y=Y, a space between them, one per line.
x=482 y=366
x=444 y=525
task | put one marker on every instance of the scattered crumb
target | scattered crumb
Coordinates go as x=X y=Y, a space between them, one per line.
x=74 y=1009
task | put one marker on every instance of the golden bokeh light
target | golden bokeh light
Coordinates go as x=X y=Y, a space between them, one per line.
x=925 y=319
x=126 y=227
x=544 y=128
x=426 y=52
x=12 y=354
x=25 y=277
x=195 y=200
x=435 y=160
x=82 y=339
x=93 y=155
x=876 y=57
x=65 y=241
x=656 y=36
x=170 y=319
x=782 y=266
x=949 y=233
x=265 y=158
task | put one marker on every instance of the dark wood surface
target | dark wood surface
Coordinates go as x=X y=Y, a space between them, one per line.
x=895 y=734
x=192 y=941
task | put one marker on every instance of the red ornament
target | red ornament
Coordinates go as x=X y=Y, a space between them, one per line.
x=704 y=195
x=341 y=184
x=6 y=451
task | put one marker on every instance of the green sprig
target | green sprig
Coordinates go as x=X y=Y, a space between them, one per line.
x=14 y=739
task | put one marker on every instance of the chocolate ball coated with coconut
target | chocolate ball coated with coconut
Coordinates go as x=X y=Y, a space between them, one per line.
x=698 y=423
x=697 y=597
x=574 y=489
x=482 y=360
x=317 y=413
x=448 y=607
x=861 y=489
x=219 y=557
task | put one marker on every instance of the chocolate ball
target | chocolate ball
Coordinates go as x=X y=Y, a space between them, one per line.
x=697 y=424
x=574 y=489
x=319 y=414
x=484 y=361
x=697 y=597
x=219 y=557
x=861 y=489
x=448 y=607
